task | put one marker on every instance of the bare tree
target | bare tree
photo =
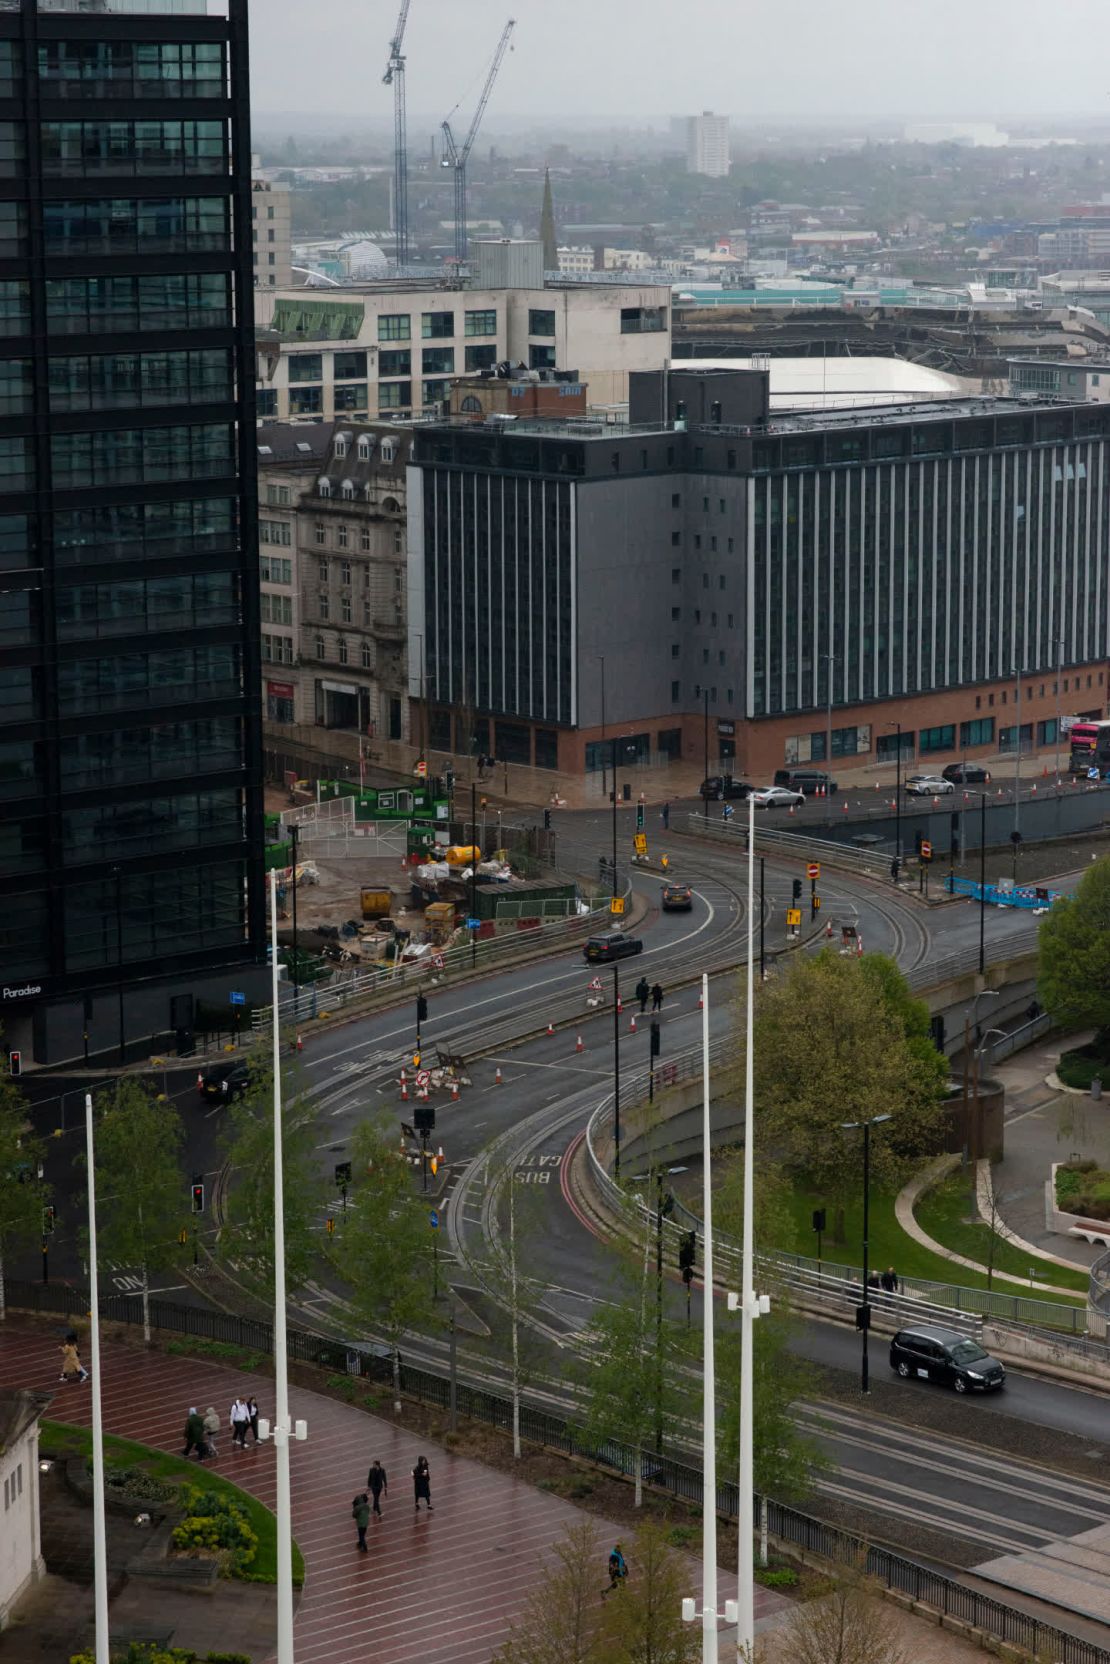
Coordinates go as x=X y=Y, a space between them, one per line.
x=561 y=1617
x=852 y=1624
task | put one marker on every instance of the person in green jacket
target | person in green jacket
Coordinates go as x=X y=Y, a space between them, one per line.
x=360 y=1510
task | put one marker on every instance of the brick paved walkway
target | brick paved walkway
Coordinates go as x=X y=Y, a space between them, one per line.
x=438 y=1588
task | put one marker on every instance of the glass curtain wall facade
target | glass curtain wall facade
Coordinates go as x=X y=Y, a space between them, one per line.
x=130 y=740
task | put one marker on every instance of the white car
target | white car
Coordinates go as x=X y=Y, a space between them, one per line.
x=777 y=797
x=928 y=785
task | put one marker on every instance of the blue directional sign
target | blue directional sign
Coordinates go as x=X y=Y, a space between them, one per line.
x=237 y=999
x=473 y=924
x=433 y=1220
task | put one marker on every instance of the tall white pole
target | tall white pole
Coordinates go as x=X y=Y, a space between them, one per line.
x=100 y=1541
x=745 y=1594
x=281 y=1362
x=709 y=1382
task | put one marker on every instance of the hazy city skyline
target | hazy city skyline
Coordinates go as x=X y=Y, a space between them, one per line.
x=636 y=61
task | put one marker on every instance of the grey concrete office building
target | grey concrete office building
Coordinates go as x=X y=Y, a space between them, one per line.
x=747 y=584
x=130 y=732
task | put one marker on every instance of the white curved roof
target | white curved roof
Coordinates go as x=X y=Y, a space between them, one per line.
x=842 y=383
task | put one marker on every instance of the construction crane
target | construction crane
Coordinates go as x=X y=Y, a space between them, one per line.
x=457 y=158
x=395 y=77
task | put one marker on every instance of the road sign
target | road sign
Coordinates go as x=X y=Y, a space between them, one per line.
x=473 y=924
x=813 y=870
x=1093 y=774
x=926 y=850
x=423 y=1078
x=421 y=768
x=640 y=841
x=617 y=904
x=237 y=999
x=595 y=985
x=793 y=916
x=437 y=961
x=433 y=1220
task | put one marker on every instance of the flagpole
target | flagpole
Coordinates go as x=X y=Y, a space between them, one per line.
x=709 y=1382
x=100 y=1540
x=282 y=1428
x=745 y=1593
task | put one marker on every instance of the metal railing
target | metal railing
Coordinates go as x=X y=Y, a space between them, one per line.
x=806 y=847
x=677 y=1478
x=1013 y=1042
x=1020 y=945
x=1098 y=1293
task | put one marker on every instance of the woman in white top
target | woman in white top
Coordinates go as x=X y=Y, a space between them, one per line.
x=240 y=1420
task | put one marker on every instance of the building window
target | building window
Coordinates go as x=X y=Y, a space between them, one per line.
x=1008 y=737
x=364 y=545
x=275 y=532
x=395 y=326
x=305 y=366
x=350 y=366
x=676 y=614
x=438 y=361
x=275 y=569
x=345 y=565
x=676 y=691
x=480 y=358
x=643 y=320
x=351 y=397
x=266 y=404
x=321 y=535
x=277 y=649
x=676 y=651
x=541 y=358
x=321 y=648
x=323 y=604
x=434 y=391
x=979 y=732
x=394 y=395
x=541 y=322
x=342 y=538
x=345 y=609
x=366 y=656
x=437 y=326
x=396 y=363
x=306 y=401
x=1046 y=732
x=481 y=323
x=344 y=653
x=275 y=609
x=676 y=499
x=676 y=574
x=280 y=496
x=937 y=739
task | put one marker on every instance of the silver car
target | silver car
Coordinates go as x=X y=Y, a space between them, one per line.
x=777 y=797
x=928 y=785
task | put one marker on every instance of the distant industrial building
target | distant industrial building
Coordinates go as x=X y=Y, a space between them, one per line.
x=853 y=571
x=707 y=145
x=1068 y=379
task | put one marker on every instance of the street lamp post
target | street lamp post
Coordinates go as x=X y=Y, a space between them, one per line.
x=1017 y=755
x=897 y=726
x=100 y=1540
x=705 y=744
x=601 y=661
x=982 y=883
x=616 y=1071
x=294 y=834
x=863 y=1316
x=613 y=761
x=709 y=1383
x=473 y=874
x=831 y=659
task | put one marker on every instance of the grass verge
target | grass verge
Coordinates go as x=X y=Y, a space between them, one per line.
x=889 y=1244
x=61 y=1439
x=949 y=1213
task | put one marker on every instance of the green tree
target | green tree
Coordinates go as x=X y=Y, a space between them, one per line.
x=830 y=1049
x=386 y=1244
x=22 y=1193
x=1073 y=976
x=785 y=1460
x=247 y=1235
x=142 y=1199
x=631 y=1387
x=909 y=1013
x=559 y=1624
x=642 y=1621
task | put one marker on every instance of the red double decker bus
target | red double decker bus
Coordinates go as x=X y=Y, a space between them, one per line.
x=1090 y=747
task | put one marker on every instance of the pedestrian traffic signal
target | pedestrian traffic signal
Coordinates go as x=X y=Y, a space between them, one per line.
x=48 y=1220
x=687 y=1250
x=198 y=1196
x=424 y=1118
x=654 y=1038
x=547 y=820
x=342 y=1172
x=819 y=1219
x=15 y=1063
x=797 y=891
x=639 y=817
x=421 y=1009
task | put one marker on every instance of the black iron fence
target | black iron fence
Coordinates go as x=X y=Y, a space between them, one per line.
x=677 y=1478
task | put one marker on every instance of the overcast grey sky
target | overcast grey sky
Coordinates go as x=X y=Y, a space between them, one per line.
x=637 y=60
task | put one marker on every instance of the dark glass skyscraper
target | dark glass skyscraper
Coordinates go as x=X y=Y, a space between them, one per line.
x=130 y=758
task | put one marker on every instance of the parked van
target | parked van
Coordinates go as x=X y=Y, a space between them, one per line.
x=806 y=780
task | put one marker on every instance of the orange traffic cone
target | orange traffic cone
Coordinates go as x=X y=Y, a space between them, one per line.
x=300 y=1044
x=404 y=1076
x=200 y=1080
x=701 y=1003
x=454 y=1091
x=578 y=1046
x=550 y=1030
x=859 y=947
x=497 y=1076
x=845 y=808
x=632 y=1024
x=620 y=1005
x=404 y=1090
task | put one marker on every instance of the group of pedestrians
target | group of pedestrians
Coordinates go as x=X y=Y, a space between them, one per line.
x=201 y=1430
x=369 y=1502
x=644 y=992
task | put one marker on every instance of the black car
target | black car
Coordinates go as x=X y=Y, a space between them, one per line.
x=723 y=785
x=946 y=1356
x=222 y=1081
x=677 y=898
x=966 y=774
x=603 y=949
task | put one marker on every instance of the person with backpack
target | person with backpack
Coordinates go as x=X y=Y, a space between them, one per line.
x=618 y=1569
x=360 y=1513
x=378 y=1485
x=239 y=1419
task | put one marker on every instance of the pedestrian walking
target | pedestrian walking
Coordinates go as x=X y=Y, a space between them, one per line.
x=889 y=1280
x=665 y=816
x=360 y=1513
x=422 y=1483
x=643 y=993
x=378 y=1485
x=211 y=1428
x=657 y=997
x=252 y=1417
x=618 y=1569
x=72 y=1367
x=194 y=1433
x=895 y=867
x=727 y=812
x=240 y=1419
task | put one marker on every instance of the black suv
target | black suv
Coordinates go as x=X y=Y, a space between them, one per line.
x=225 y=1080
x=966 y=774
x=946 y=1356
x=807 y=780
x=602 y=949
x=723 y=785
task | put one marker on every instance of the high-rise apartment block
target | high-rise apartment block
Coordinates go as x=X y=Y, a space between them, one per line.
x=707 y=146
x=130 y=733
x=272 y=234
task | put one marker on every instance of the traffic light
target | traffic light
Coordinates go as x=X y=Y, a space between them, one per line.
x=954 y=823
x=654 y=1038
x=797 y=889
x=421 y=1009
x=639 y=817
x=342 y=1172
x=818 y=1219
x=424 y=1117
x=15 y=1063
x=198 y=1196
x=331 y=1227
x=48 y=1220
x=687 y=1249
x=917 y=837
x=547 y=820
